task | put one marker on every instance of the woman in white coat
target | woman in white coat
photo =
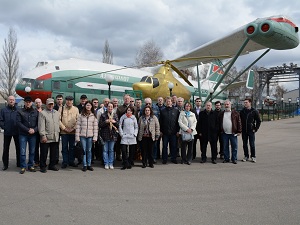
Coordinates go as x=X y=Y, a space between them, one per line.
x=187 y=123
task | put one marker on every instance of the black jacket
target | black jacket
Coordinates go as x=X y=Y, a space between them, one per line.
x=8 y=120
x=250 y=120
x=169 y=121
x=27 y=118
x=208 y=125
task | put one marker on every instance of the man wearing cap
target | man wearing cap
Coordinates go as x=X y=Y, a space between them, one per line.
x=27 y=121
x=8 y=122
x=48 y=125
x=83 y=100
x=38 y=108
x=67 y=125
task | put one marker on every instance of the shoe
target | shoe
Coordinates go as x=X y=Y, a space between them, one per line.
x=181 y=162
x=245 y=159
x=64 y=166
x=144 y=165
x=164 y=162
x=234 y=162
x=213 y=162
x=22 y=171
x=90 y=168
x=203 y=161
x=54 y=168
x=111 y=167
x=253 y=159
x=188 y=162
x=132 y=163
x=106 y=167
x=36 y=165
x=73 y=165
x=151 y=166
x=4 y=168
x=32 y=169
x=225 y=161
x=123 y=168
x=84 y=169
x=43 y=170
x=174 y=161
x=154 y=161
x=129 y=167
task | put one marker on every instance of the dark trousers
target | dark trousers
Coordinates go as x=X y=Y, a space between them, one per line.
x=6 y=144
x=220 y=139
x=128 y=158
x=147 y=150
x=96 y=151
x=44 y=154
x=186 y=157
x=37 y=149
x=157 y=143
x=196 y=137
x=213 y=146
x=118 y=147
x=251 y=137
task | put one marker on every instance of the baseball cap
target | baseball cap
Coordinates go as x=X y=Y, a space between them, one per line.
x=69 y=98
x=27 y=99
x=49 y=101
x=83 y=96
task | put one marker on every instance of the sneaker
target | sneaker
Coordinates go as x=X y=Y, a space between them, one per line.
x=254 y=159
x=111 y=167
x=245 y=159
x=106 y=167
x=31 y=169
x=22 y=171
x=90 y=168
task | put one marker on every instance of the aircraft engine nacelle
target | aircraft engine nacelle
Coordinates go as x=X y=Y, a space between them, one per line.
x=275 y=33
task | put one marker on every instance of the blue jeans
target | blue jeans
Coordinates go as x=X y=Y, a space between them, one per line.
x=234 y=146
x=108 y=152
x=23 y=139
x=68 y=143
x=87 y=148
x=172 y=141
x=251 y=136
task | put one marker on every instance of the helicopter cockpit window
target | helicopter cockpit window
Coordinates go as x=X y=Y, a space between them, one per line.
x=143 y=79
x=27 y=82
x=149 y=80
x=155 y=82
x=39 y=84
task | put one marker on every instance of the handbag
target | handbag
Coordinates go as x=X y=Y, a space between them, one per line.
x=100 y=140
x=78 y=150
x=187 y=136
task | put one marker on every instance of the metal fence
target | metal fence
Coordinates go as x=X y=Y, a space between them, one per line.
x=279 y=111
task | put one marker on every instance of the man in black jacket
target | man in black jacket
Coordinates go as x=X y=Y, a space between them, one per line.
x=250 y=124
x=8 y=122
x=197 y=111
x=169 y=128
x=27 y=121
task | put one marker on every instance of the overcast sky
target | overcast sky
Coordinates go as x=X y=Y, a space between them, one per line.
x=60 y=29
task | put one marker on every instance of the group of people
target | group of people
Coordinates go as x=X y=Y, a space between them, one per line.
x=112 y=131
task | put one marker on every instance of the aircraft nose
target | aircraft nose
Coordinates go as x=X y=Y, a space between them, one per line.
x=144 y=87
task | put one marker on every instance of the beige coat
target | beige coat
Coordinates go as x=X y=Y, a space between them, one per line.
x=87 y=126
x=48 y=125
x=68 y=118
x=153 y=128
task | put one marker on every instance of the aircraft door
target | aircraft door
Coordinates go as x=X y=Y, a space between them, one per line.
x=60 y=87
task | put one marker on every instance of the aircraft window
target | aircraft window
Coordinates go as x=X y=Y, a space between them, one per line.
x=70 y=85
x=39 y=84
x=102 y=92
x=143 y=78
x=155 y=82
x=56 y=85
x=149 y=80
x=26 y=81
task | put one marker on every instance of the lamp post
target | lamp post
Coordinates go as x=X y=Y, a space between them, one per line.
x=262 y=111
x=211 y=91
x=297 y=106
x=290 y=106
x=109 y=79
x=27 y=90
x=170 y=86
x=282 y=99
x=268 y=100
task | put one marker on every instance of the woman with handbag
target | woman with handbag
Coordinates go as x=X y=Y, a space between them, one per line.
x=149 y=132
x=86 y=133
x=187 y=122
x=109 y=123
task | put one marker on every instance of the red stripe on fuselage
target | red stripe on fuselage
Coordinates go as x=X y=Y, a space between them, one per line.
x=283 y=20
x=45 y=77
x=43 y=95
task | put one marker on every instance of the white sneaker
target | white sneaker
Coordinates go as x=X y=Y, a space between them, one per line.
x=106 y=167
x=111 y=167
x=245 y=159
x=254 y=159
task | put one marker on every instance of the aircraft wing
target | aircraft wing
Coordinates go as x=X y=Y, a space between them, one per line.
x=233 y=85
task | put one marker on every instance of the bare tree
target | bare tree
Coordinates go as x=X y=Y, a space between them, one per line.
x=279 y=91
x=148 y=54
x=9 y=65
x=107 y=54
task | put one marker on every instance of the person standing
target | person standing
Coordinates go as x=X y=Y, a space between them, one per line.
x=169 y=130
x=160 y=104
x=208 y=132
x=250 y=125
x=128 y=130
x=218 y=110
x=59 y=102
x=83 y=100
x=108 y=125
x=27 y=121
x=197 y=111
x=38 y=108
x=48 y=125
x=149 y=132
x=8 y=122
x=187 y=123
x=87 y=133
x=231 y=127
x=68 y=118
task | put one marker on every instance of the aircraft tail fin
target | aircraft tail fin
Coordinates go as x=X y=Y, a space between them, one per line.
x=214 y=73
x=250 y=80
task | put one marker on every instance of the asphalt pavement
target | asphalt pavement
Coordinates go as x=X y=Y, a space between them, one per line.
x=266 y=192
